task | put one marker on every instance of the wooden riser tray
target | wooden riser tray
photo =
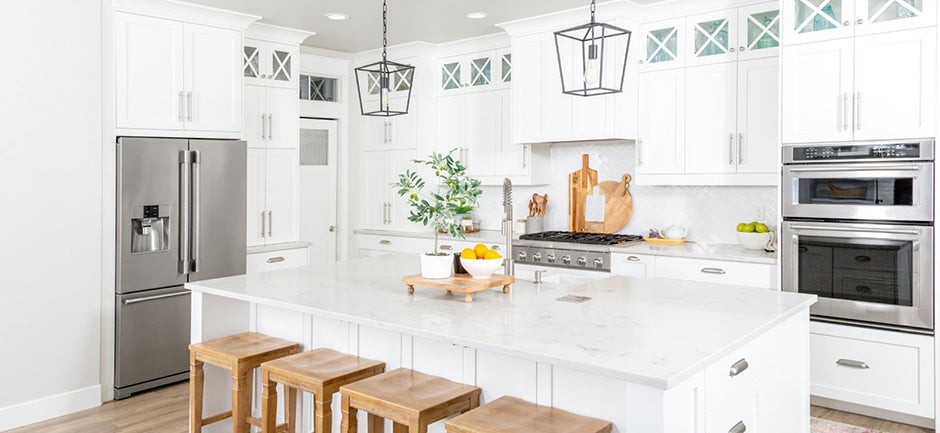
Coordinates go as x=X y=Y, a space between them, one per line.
x=465 y=284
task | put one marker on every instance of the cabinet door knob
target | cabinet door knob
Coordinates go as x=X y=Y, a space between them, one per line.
x=741 y=48
x=332 y=229
x=732 y=49
x=846 y=23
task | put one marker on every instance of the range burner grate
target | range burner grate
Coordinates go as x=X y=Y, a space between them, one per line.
x=581 y=238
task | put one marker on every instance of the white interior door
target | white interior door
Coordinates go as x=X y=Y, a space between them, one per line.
x=318 y=188
x=213 y=79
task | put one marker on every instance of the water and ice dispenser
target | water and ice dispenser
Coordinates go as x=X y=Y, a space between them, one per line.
x=150 y=229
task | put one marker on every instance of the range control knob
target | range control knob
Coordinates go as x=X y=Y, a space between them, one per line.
x=521 y=256
x=566 y=260
x=550 y=258
x=537 y=257
x=582 y=261
x=598 y=262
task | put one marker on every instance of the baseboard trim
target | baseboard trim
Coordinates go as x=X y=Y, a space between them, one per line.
x=873 y=412
x=41 y=409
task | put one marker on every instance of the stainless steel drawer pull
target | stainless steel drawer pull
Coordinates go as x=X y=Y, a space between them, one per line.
x=853 y=364
x=738 y=428
x=276 y=259
x=385 y=242
x=633 y=258
x=154 y=298
x=495 y=248
x=447 y=247
x=738 y=368
x=718 y=271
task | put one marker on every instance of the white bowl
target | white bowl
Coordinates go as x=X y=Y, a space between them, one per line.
x=481 y=268
x=753 y=240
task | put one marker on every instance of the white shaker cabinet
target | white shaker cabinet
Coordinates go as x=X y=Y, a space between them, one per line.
x=270 y=63
x=392 y=133
x=273 y=213
x=661 y=124
x=816 y=92
x=381 y=206
x=711 y=118
x=176 y=76
x=813 y=20
x=663 y=45
x=271 y=120
x=758 y=116
x=712 y=37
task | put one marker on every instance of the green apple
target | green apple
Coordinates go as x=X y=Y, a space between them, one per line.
x=740 y=227
x=748 y=228
x=761 y=228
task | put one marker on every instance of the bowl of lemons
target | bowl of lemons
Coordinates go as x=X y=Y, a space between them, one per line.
x=754 y=235
x=480 y=261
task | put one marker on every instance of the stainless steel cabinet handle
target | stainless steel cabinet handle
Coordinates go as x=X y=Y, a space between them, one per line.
x=264 y=129
x=738 y=428
x=639 y=151
x=270 y=223
x=391 y=132
x=853 y=364
x=185 y=189
x=189 y=106
x=858 y=111
x=446 y=247
x=738 y=368
x=385 y=242
x=845 y=111
x=740 y=148
x=860 y=230
x=277 y=259
x=731 y=149
x=718 y=271
x=860 y=21
x=495 y=248
x=332 y=229
x=181 y=107
x=155 y=297
x=856 y=167
x=525 y=148
x=270 y=126
x=633 y=258
x=262 y=223
x=197 y=205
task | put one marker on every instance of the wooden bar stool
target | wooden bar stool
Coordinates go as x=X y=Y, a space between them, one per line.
x=410 y=399
x=510 y=414
x=240 y=354
x=320 y=372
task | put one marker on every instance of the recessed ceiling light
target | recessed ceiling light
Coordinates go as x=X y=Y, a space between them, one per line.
x=336 y=16
x=476 y=15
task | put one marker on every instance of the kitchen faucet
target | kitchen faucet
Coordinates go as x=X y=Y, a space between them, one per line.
x=507 y=225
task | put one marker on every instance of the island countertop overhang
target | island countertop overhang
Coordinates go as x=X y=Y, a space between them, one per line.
x=651 y=332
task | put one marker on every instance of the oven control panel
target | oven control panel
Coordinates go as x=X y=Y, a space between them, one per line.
x=859 y=152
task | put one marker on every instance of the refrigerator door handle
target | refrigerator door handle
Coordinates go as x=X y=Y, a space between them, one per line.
x=197 y=204
x=185 y=159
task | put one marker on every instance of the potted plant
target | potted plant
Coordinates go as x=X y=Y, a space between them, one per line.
x=439 y=206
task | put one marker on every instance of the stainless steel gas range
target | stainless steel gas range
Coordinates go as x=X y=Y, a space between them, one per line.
x=559 y=256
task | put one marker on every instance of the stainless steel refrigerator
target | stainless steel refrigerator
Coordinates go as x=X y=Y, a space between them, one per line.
x=180 y=217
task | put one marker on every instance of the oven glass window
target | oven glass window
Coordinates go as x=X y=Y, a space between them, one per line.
x=869 y=270
x=871 y=192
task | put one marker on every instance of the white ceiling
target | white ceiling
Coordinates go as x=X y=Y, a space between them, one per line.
x=432 y=21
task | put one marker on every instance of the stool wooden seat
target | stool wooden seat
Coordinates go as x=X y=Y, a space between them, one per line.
x=240 y=354
x=410 y=399
x=320 y=372
x=513 y=415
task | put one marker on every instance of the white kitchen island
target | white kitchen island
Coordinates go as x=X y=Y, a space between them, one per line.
x=648 y=355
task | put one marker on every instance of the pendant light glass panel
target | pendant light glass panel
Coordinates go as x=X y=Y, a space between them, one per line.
x=592 y=58
x=377 y=82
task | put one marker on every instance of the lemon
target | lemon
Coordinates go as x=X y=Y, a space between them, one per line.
x=480 y=250
x=468 y=253
x=491 y=255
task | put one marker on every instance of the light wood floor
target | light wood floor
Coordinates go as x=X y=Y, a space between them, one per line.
x=165 y=410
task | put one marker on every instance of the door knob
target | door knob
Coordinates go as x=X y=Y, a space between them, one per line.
x=332 y=229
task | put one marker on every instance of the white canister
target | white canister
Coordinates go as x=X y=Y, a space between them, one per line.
x=519 y=228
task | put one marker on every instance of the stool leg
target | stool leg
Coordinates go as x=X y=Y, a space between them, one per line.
x=350 y=423
x=399 y=428
x=241 y=400
x=290 y=408
x=376 y=424
x=268 y=403
x=196 y=379
x=323 y=413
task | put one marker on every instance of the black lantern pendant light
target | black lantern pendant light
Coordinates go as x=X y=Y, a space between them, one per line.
x=592 y=58
x=375 y=81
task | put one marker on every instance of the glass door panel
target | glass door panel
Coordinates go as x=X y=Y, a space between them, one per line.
x=450 y=76
x=711 y=38
x=818 y=15
x=280 y=65
x=763 y=30
x=251 y=62
x=401 y=80
x=506 y=68
x=890 y=10
x=481 y=71
x=662 y=45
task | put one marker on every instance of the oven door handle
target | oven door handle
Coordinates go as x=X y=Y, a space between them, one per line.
x=855 y=168
x=856 y=229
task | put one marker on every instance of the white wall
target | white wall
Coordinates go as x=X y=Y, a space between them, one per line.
x=50 y=208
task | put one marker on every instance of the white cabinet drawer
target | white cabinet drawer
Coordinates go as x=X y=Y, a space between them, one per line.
x=633 y=265
x=453 y=246
x=736 y=371
x=391 y=244
x=737 y=415
x=274 y=260
x=883 y=369
x=714 y=271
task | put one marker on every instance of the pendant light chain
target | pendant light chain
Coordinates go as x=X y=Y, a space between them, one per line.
x=384 y=30
x=593 y=7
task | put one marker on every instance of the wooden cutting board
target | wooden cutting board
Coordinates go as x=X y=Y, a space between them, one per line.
x=618 y=206
x=580 y=184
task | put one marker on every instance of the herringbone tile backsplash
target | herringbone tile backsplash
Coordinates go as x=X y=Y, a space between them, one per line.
x=709 y=212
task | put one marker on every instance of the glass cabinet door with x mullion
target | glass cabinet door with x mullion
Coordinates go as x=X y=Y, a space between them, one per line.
x=759 y=31
x=663 y=45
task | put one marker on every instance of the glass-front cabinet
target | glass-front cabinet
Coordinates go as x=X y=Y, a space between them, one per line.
x=479 y=71
x=269 y=64
x=663 y=45
x=816 y=20
x=758 y=31
x=712 y=37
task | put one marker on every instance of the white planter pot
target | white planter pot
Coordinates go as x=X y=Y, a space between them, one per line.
x=437 y=266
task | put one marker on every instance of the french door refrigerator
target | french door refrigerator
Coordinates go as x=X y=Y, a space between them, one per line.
x=180 y=217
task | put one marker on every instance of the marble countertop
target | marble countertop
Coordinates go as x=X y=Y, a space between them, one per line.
x=485 y=236
x=652 y=332
x=729 y=252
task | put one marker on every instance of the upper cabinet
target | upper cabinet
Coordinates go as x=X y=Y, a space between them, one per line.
x=663 y=45
x=712 y=37
x=818 y=20
x=270 y=63
x=174 y=77
x=759 y=31
x=485 y=70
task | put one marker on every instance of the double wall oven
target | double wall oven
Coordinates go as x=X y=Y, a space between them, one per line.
x=858 y=231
